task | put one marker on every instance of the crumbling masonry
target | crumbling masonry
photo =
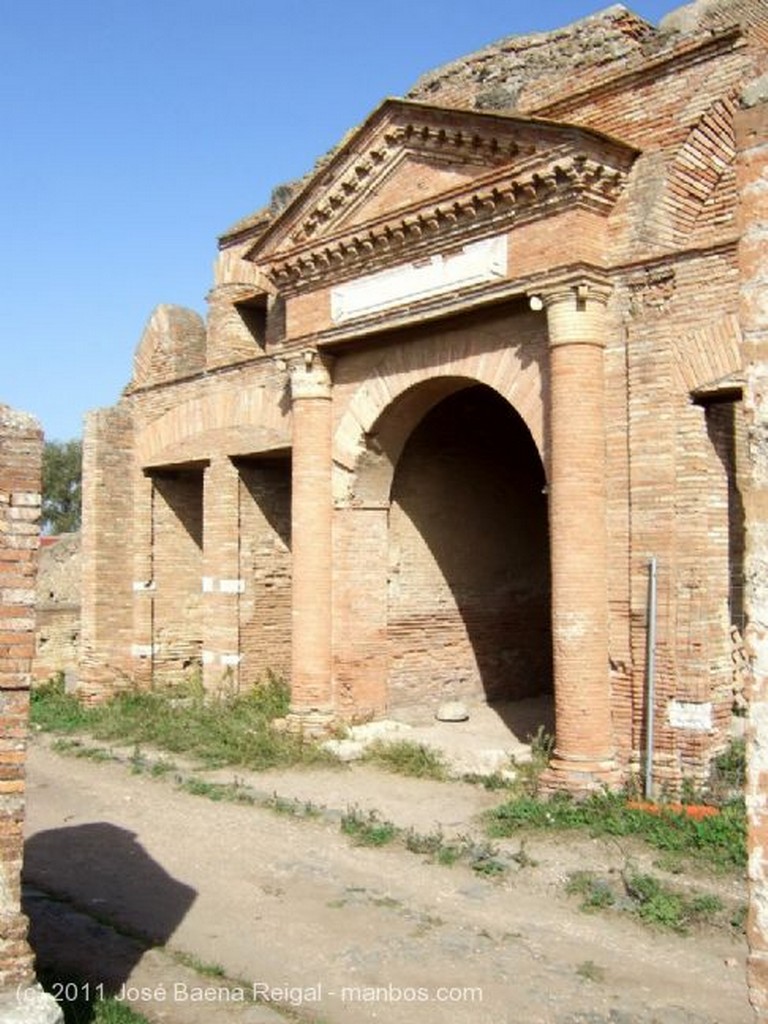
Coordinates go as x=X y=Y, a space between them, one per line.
x=455 y=389
x=21 y=445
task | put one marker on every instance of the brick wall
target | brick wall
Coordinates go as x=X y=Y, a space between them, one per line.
x=265 y=568
x=177 y=573
x=752 y=138
x=57 y=646
x=107 y=550
x=657 y=240
x=20 y=465
x=468 y=619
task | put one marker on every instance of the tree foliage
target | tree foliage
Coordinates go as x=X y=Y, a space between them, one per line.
x=62 y=476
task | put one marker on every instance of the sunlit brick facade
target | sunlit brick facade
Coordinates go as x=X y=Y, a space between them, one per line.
x=454 y=391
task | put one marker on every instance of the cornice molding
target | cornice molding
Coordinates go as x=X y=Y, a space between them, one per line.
x=437 y=143
x=575 y=180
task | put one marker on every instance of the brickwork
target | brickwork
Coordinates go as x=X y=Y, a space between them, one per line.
x=469 y=469
x=752 y=140
x=547 y=227
x=265 y=562
x=57 y=643
x=21 y=446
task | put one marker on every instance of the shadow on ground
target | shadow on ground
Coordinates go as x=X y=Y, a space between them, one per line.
x=120 y=902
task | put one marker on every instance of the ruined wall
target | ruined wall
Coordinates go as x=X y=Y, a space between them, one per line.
x=265 y=560
x=752 y=134
x=21 y=445
x=107 y=550
x=177 y=572
x=57 y=645
x=404 y=628
x=680 y=334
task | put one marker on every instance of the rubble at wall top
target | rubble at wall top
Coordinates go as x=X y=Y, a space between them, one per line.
x=520 y=72
x=517 y=72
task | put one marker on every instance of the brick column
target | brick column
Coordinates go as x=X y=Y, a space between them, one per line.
x=106 y=597
x=21 y=445
x=143 y=583
x=20 y=458
x=221 y=580
x=584 y=756
x=752 y=178
x=311 y=518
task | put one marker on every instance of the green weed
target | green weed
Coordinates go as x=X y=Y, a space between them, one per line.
x=218 y=791
x=204 y=967
x=448 y=854
x=493 y=783
x=719 y=841
x=292 y=807
x=595 y=892
x=429 y=843
x=54 y=710
x=367 y=829
x=648 y=898
x=226 y=728
x=728 y=773
x=404 y=757
x=590 y=971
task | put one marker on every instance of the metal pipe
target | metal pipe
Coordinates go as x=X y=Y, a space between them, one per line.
x=650 y=676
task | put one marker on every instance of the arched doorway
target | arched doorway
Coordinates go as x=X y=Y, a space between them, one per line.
x=468 y=564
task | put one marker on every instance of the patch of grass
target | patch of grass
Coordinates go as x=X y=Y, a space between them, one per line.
x=719 y=841
x=228 y=728
x=110 y=1011
x=404 y=757
x=228 y=792
x=292 y=806
x=448 y=854
x=488 y=866
x=595 y=892
x=656 y=904
x=429 y=843
x=368 y=829
x=493 y=783
x=204 y=967
x=728 y=772
x=76 y=748
x=590 y=971
x=55 y=710
x=648 y=898
x=528 y=773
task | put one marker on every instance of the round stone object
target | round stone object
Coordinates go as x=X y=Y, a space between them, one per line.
x=452 y=711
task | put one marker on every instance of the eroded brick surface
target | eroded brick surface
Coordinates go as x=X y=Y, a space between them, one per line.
x=20 y=461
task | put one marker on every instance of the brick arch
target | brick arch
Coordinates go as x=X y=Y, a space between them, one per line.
x=237 y=422
x=709 y=354
x=701 y=184
x=413 y=380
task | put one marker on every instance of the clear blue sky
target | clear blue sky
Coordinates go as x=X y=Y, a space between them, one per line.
x=135 y=131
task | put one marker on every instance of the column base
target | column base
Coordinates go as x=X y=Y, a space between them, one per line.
x=580 y=777
x=316 y=723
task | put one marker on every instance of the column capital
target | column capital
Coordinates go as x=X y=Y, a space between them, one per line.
x=575 y=306
x=309 y=373
x=576 y=290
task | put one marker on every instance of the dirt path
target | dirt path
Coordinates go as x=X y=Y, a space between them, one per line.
x=341 y=933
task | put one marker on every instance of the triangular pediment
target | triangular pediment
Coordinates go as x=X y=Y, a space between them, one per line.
x=412 y=170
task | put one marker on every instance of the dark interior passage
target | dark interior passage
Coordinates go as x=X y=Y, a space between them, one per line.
x=469 y=581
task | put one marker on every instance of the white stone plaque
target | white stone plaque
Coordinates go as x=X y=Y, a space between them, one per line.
x=477 y=263
x=232 y=586
x=690 y=716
